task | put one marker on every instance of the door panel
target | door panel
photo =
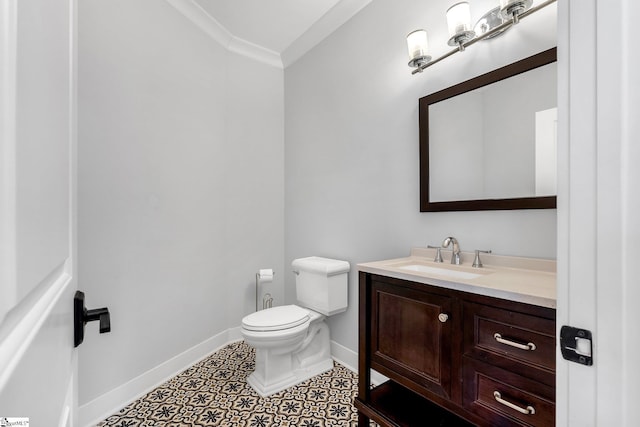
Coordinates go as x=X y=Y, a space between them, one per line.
x=408 y=337
x=37 y=211
x=42 y=135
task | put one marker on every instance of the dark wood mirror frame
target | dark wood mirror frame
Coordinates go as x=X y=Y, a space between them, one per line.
x=547 y=202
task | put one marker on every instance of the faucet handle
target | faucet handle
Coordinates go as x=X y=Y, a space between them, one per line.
x=476 y=262
x=438 y=257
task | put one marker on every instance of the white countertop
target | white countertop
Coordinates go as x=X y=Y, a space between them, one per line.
x=527 y=280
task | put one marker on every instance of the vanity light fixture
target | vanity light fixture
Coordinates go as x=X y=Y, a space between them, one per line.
x=493 y=23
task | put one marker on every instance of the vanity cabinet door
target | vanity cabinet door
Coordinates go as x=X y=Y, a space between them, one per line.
x=411 y=332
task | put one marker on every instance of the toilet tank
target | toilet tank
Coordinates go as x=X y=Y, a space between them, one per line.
x=321 y=284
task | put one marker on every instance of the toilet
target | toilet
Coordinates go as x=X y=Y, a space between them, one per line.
x=292 y=341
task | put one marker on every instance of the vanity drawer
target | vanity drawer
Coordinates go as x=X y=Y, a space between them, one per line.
x=503 y=398
x=509 y=338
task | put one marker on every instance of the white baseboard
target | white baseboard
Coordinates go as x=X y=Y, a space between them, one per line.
x=344 y=356
x=109 y=403
x=349 y=359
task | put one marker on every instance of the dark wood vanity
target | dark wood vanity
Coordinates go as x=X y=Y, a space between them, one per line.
x=453 y=358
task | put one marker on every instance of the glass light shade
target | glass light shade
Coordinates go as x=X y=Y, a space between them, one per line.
x=418 y=46
x=459 y=18
x=459 y=23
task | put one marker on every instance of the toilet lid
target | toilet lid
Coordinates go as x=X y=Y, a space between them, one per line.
x=276 y=318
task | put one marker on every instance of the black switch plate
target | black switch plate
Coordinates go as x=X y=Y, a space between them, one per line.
x=568 y=345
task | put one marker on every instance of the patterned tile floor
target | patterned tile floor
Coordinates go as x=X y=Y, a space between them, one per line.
x=214 y=392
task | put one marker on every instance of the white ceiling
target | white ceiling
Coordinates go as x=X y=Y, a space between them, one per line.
x=275 y=32
x=271 y=24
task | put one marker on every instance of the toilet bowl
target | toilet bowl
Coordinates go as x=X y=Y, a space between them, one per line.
x=292 y=342
x=292 y=345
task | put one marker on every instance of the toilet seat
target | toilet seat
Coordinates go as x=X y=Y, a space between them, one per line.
x=276 y=319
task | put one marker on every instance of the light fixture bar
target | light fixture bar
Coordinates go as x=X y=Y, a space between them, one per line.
x=488 y=34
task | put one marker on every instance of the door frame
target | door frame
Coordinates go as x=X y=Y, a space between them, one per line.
x=598 y=201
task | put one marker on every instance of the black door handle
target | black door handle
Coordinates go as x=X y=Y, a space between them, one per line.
x=81 y=316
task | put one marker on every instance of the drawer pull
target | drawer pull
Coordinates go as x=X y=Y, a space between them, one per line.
x=528 y=346
x=443 y=317
x=529 y=410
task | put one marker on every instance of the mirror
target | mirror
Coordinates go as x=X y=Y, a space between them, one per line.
x=490 y=143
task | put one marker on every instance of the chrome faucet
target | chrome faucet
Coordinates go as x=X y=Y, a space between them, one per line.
x=455 y=254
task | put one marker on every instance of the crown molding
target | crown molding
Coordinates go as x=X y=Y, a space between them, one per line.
x=254 y=51
x=214 y=29
x=197 y=15
x=321 y=29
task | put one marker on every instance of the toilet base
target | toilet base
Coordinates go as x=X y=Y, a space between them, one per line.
x=278 y=368
x=296 y=377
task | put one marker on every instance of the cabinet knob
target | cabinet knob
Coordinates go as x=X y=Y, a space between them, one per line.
x=443 y=317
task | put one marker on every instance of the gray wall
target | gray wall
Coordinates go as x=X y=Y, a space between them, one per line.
x=181 y=194
x=351 y=146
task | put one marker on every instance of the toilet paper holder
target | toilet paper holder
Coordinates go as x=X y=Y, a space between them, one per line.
x=267 y=301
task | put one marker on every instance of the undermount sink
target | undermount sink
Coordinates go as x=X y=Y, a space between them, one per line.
x=455 y=274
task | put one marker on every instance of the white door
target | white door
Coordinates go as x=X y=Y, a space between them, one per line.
x=599 y=209
x=37 y=211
